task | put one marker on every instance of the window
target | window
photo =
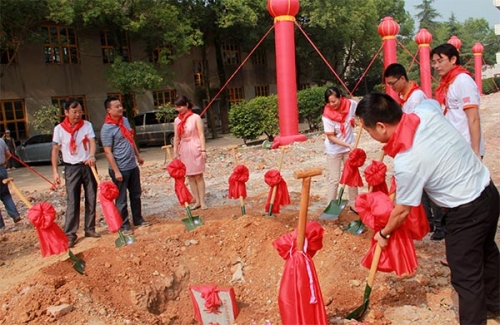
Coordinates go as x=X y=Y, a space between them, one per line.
x=198 y=73
x=259 y=57
x=109 y=45
x=13 y=118
x=166 y=51
x=236 y=94
x=231 y=53
x=60 y=45
x=261 y=90
x=122 y=98
x=163 y=97
x=60 y=101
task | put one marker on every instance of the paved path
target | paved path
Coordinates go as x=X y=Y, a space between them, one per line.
x=28 y=181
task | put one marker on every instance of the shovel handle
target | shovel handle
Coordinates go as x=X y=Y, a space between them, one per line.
x=233 y=151
x=373 y=267
x=167 y=151
x=358 y=136
x=96 y=176
x=23 y=198
x=305 y=175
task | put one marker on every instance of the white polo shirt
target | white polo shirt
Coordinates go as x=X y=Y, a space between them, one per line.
x=63 y=138
x=334 y=127
x=416 y=97
x=440 y=162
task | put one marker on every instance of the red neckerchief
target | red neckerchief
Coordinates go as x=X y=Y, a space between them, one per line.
x=71 y=129
x=125 y=132
x=404 y=97
x=340 y=114
x=402 y=138
x=446 y=81
x=183 y=118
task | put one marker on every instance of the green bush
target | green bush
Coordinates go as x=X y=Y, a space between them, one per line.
x=311 y=102
x=491 y=85
x=250 y=119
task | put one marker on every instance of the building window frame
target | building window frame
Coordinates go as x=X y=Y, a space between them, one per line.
x=164 y=97
x=13 y=118
x=231 y=53
x=59 y=101
x=236 y=94
x=122 y=98
x=108 y=46
x=162 y=50
x=259 y=58
x=60 y=45
x=261 y=90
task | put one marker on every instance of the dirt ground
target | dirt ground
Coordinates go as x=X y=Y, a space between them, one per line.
x=147 y=282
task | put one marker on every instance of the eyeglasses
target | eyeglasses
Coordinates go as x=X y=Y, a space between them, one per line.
x=391 y=84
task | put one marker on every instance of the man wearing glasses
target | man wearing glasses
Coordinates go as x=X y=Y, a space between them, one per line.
x=459 y=95
x=410 y=94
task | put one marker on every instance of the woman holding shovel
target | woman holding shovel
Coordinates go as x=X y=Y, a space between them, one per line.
x=338 y=123
x=189 y=147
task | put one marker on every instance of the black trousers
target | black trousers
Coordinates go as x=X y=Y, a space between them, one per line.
x=473 y=255
x=75 y=176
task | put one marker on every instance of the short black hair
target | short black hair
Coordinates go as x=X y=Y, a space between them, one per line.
x=109 y=100
x=183 y=101
x=71 y=103
x=447 y=50
x=395 y=70
x=378 y=107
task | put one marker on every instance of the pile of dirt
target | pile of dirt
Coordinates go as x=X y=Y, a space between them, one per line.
x=148 y=282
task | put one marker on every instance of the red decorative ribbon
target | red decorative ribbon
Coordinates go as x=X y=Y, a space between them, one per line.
x=51 y=237
x=273 y=178
x=237 y=182
x=212 y=301
x=350 y=174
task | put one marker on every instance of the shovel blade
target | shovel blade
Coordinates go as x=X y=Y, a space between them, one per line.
x=333 y=210
x=359 y=312
x=192 y=223
x=356 y=227
x=78 y=264
x=123 y=240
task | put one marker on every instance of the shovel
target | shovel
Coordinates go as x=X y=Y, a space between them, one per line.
x=167 y=152
x=191 y=222
x=275 y=188
x=242 y=202
x=78 y=264
x=357 y=227
x=335 y=207
x=122 y=240
x=359 y=312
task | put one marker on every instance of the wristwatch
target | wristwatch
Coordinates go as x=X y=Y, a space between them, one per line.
x=382 y=235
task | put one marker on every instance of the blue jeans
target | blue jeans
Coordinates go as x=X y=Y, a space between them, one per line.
x=6 y=197
x=132 y=183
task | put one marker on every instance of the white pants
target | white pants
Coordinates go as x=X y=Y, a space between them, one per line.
x=333 y=167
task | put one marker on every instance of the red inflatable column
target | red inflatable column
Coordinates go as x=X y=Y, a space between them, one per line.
x=388 y=29
x=456 y=42
x=424 y=39
x=284 y=12
x=478 y=49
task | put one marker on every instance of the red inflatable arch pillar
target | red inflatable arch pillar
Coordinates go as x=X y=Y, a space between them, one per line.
x=284 y=12
x=478 y=49
x=424 y=39
x=456 y=42
x=388 y=29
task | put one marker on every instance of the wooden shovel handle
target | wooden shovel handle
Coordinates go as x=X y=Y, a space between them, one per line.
x=305 y=175
x=233 y=152
x=374 y=266
x=167 y=150
x=96 y=176
x=358 y=136
x=23 y=198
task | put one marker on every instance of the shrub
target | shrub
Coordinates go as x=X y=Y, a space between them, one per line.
x=311 y=102
x=250 y=119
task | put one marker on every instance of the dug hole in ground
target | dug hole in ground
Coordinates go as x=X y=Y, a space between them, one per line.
x=147 y=282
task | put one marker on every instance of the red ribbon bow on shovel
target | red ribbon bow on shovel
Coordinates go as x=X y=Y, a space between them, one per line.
x=177 y=170
x=375 y=176
x=273 y=178
x=237 y=182
x=350 y=175
x=51 y=237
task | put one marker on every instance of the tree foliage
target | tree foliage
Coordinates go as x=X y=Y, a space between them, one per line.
x=45 y=119
x=427 y=15
x=311 y=102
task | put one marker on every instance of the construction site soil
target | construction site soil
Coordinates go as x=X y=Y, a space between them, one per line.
x=148 y=282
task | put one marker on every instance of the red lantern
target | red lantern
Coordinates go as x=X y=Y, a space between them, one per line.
x=278 y=8
x=456 y=42
x=423 y=37
x=477 y=48
x=388 y=27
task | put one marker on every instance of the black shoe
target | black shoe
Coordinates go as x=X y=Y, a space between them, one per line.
x=17 y=219
x=438 y=235
x=127 y=232
x=71 y=243
x=92 y=234
x=144 y=224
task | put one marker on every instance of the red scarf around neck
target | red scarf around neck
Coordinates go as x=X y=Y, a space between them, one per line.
x=446 y=81
x=125 y=132
x=183 y=118
x=72 y=129
x=340 y=114
x=402 y=138
x=404 y=97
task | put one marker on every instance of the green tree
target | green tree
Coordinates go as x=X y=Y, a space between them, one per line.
x=45 y=119
x=427 y=15
x=311 y=102
x=250 y=119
